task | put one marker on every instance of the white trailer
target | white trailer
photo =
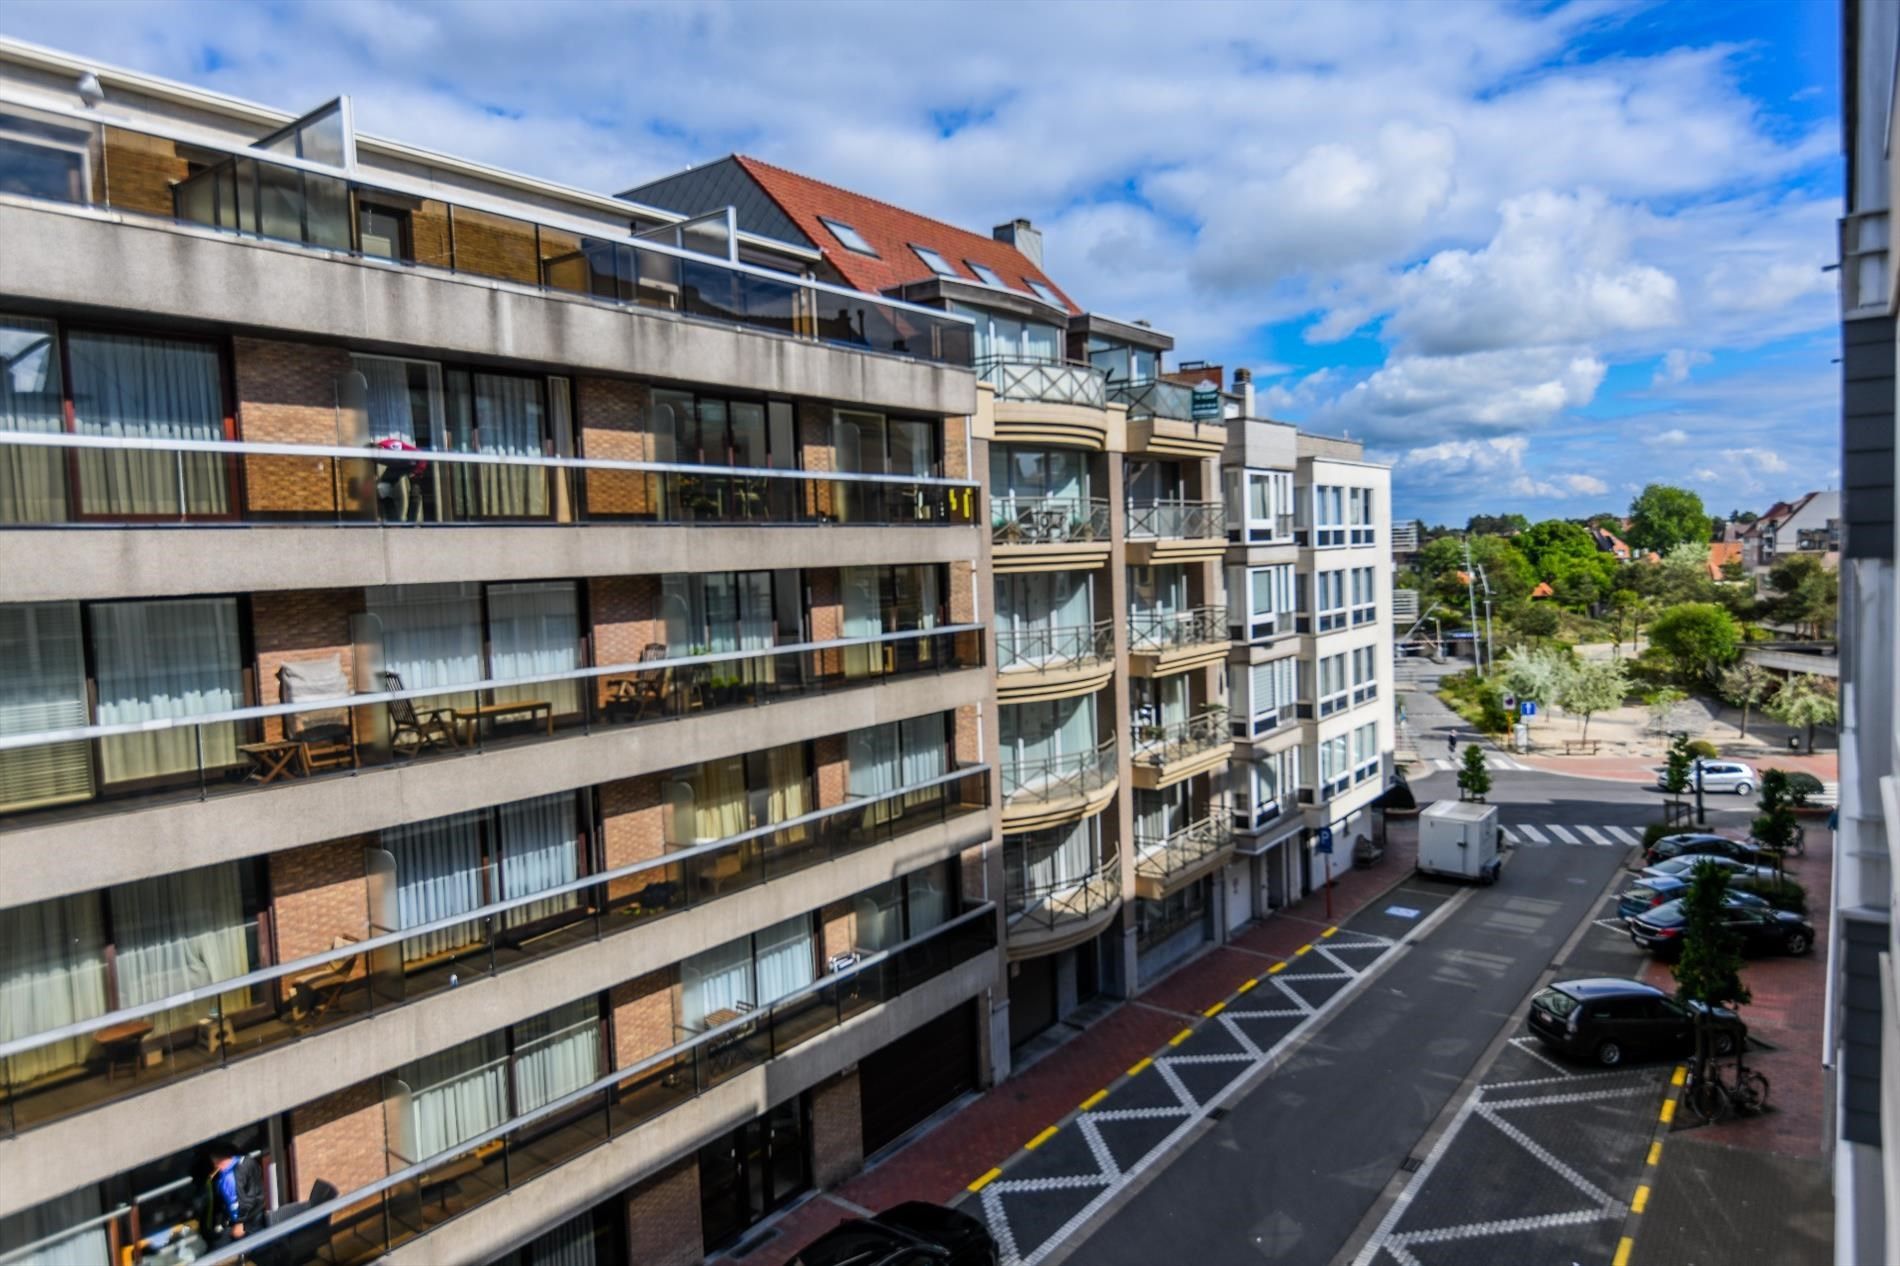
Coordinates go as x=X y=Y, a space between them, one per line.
x=1459 y=839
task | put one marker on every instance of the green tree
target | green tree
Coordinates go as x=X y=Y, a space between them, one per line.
x=1538 y=620
x=1663 y=516
x=1806 y=701
x=1709 y=969
x=1553 y=539
x=1660 y=703
x=1775 y=827
x=1474 y=780
x=1578 y=588
x=1700 y=638
x=1626 y=606
x=1804 y=593
x=1534 y=674
x=1496 y=524
x=1746 y=686
x=1592 y=686
x=1676 y=766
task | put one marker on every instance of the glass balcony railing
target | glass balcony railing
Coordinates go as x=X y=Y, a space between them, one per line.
x=56 y=478
x=193 y=757
x=1039 y=646
x=1048 y=520
x=1160 y=857
x=1255 y=815
x=1152 y=632
x=1044 y=381
x=1158 y=398
x=48 y=1076
x=248 y=192
x=1163 y=745
x=367 y=1223
x=1177 y=520
x=1047 y=905
x=1047 y=779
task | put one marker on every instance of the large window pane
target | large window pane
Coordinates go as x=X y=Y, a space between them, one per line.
x=32 y=480
x=534 y=631
x=52 y=973
x=42 y=687
x=169 y=658
x=131 y=386
x=446 y=1099
x=502 y=414
x=180 y=932
x=438 y=876
x=556 y=1053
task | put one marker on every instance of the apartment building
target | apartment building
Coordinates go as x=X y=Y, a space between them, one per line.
x=1862 y=1036
x=496 y=715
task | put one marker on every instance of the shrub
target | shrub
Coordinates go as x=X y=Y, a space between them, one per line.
x=1782 y=893
x=1703 y=748
x=1803 y=787
x=1656 y=830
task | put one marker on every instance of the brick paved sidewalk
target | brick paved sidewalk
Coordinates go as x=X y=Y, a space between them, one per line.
x=938 y=1165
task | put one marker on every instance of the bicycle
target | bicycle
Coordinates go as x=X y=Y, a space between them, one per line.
x=1712 y=1098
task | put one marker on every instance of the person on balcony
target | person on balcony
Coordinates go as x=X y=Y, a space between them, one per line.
x=234 y=1195
x=393 y=475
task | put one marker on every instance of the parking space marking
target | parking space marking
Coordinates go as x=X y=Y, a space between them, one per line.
x=1040 y=1139
x=1623 y=1248
x=986 y=1180
x=1640 y=1200
x=1092 y=1100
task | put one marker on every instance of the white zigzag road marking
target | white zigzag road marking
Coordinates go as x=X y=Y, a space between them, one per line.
x=1240 y=1035
x=1098 y=1148
x=1529 y=1047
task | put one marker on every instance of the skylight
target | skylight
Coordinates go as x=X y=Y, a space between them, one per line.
x=849 y=236
x=934 y=262
x=1044 y=293
x=986 y=275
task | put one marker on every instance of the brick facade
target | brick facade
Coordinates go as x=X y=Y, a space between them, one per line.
x=833 y=772
x=815 y=446
x=826 y=616
x=645 y=1010
x=318 y=893
x=495 y=246
x=837 y=1130
x=626 y=615
x=301 y=624
x=287 y=394
x=611 y=414
x=340 y=1138
x=840 y=922
x=663 y=1226
x=633 y=829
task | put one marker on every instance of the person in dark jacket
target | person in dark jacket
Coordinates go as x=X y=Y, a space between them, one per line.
x=234 y=1196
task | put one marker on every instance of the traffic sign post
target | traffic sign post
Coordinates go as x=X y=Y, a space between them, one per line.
x=1528 y=708
x=1325 y=849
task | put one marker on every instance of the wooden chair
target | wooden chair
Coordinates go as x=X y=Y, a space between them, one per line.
x=430 y=727
x=315 y=992
x=647 y=688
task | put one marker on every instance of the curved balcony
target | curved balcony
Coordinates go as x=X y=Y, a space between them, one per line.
x=1164 y=642
x=1051 y=790
x=1165 y=754
x=1048 y=400
x=1161 y=419
x=1166 y=865
x=1047 y=917
x=1162 y=532
x=1049 y=533
x=1038 y=664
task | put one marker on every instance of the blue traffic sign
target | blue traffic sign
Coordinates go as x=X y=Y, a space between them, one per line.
x=1325 y=844
x=1527 y=708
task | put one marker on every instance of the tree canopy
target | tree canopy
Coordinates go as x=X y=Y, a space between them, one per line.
x=1700 y=637
x=1496 y=524
x=1806 y=702
x=1663 y=516
x=1592 y=686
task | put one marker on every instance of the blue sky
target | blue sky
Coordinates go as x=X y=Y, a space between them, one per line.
x=1534 y=255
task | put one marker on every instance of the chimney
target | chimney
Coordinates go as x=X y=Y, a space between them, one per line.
x=1024 y=236
x=1243 y=387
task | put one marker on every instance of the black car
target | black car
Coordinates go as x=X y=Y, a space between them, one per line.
x=1700 y=842
x=1760 y=930
x=1611 y=1020
x=910 y=1234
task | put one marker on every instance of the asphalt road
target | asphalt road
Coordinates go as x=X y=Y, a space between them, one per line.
x=1299 y=1158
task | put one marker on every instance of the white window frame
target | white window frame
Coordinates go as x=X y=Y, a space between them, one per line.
x=847 y=235
x=1365 y=596
x=1329 y=610
x=1329 y=516
x=1359 y=515
x=935 y=261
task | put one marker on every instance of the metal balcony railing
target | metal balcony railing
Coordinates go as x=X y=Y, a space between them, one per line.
x=1158 y=398
x=1044 y=380
x=1049 y=905
x=1160 y=858
x=1046 y=779
x=1177 y=520
x=1404 y=538
x=1066 y=647
x=1162 y=745
x=1048 y=520
x=1150 y=632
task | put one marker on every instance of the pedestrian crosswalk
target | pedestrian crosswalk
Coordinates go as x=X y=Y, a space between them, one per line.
x=1493 y=759
x=1548 y=833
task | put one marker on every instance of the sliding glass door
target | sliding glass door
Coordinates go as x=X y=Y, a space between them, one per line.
x=166 y=659
x=136 y=387
x=32 y=399
x=42 y=687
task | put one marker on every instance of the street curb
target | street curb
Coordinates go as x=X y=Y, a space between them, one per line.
x=1639 y=1198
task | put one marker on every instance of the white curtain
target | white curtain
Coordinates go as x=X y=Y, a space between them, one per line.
x=42 y=687
x=1060 y=856
x=556 y=1053
x=928 y=898
x=394 y=409
x=873 y=757
x=173 y=657
x=785 y=958
x=179 y=932
x=32 y=480
x=534 y=630
x=540 y=849
x=432 y=636
x=454 y=1096
x=879 y=915
x=925 y=755
x=716 y=982
x=508 y=416
x=438 y=875
x=863 y=617
x=150 y=388
x=45 y=1221
x=52 y=973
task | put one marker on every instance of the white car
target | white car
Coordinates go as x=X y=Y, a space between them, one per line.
x=1717 y=775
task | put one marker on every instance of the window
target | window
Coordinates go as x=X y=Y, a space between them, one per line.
x=383 y=231
x=1044 y=617
x=44 y=157
x=873 y=444
x=985 y=275
x=1123 y=363
x=43 y=687
x=1044 y=742
x=1329 y=516
x=1271 y=690
x=1365 y=608
x=1001 y=337
x=165 y=659
x=851 y=238
x=1261 y=794
x=1359 y=508
x=1331 y=691
x=1259 y=505
x=934 y=262
x=1262 y=602
x=1329 y=602
x=31 y=399
x=1335 y=765
x=1044 y=293
x=1365 y=674
x=727 y=796
x=132 y=386
x=901 y=910
x=754 y=971
x=506 y=414
x=707 y=431
x=1365 y=751
x=1050 y=864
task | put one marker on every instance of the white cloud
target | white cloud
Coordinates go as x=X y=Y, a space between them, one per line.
x=1676 y=365
x=1674 y=437
x=1494 y=464
x=1418 y=398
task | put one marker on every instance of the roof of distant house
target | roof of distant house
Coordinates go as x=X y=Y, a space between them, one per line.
x=1722 y=553
x=1543 y=590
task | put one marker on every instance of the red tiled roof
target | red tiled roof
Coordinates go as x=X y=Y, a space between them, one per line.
x=891 y=232
x=1722 y=553
x=1543 y=590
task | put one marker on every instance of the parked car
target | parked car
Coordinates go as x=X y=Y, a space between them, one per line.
x=1683 y=865
x=1651 y=891
x=909 y=1234
x=1700 y=842
x=1717 y=775
x=1762 y=930
x=1611 y=1020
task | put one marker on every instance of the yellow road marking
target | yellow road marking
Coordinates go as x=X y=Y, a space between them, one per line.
x=1328 y=932
x=1143 y=1063
x=1246 y=985
x=1668 y=1111
x=1304 y=949
x=1093 y=1099
x=1215 y=1010
x=1180 y=1037
x=1655 y=1152
x=1276 y=967
x=1040 y=1139
x=1680 y=1075
x=985 y=1181
x=1641 y=1200
x=1623 y=1248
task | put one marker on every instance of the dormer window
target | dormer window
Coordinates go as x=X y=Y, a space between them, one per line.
x=986 y=275
x=1044 y=293
x=934 y=262
x=850 y=237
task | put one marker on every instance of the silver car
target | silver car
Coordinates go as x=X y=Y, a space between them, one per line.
x=1682 y=865
x=1718 y=775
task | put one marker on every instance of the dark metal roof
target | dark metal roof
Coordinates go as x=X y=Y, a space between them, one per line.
x=724 y=183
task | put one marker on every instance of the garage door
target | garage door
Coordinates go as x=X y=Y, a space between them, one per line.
x=917 y=1074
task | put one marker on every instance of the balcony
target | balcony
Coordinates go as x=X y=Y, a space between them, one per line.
x=1039 y=381
x=260 y=749
x=1163 y=755
x=1272 y=530
x=1161 y=420
x=1405 y=538
x=1163 y=532
x=1046 y=917
x=1165 y=866
x=290 y=202
x=1049 y=533
x=1050 y=790
x=1264 y=816
x=1164 y=642
x=1038 y=663
x=49 y=1076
